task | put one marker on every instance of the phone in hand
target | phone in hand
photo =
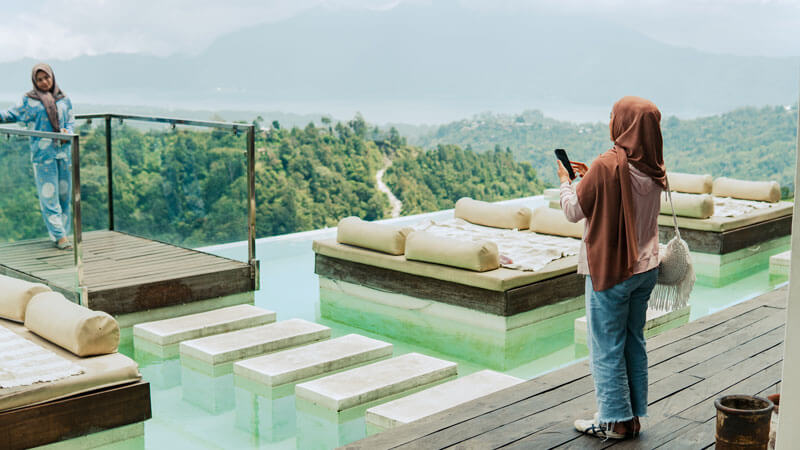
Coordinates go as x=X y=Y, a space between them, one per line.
x=561 y=154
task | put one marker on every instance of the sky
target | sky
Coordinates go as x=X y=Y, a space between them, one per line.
x=65 y=29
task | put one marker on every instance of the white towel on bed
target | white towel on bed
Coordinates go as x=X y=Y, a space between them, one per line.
x=733 y=207
x=23 y=363
x=527 y=250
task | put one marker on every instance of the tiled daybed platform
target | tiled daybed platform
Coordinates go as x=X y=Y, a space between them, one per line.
x=737 y=350
x=726 y=248
x=500 y=317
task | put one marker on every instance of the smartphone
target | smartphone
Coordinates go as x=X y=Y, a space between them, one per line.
x=561 y=154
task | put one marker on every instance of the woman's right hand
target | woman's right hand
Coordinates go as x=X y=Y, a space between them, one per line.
x=579 y=168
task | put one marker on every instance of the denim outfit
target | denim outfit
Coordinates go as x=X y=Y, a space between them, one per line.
x=616 y=316
x=617 y=353
x=51 y=161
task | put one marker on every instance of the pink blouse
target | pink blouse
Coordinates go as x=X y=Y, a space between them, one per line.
x=646 y=204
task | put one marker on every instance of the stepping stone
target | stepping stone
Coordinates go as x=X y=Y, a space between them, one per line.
x=426 y=403
x=779 y=264
x=357 y=387
x=193 y=326
x=312 y=360
x=236 y=345
x=657 y=321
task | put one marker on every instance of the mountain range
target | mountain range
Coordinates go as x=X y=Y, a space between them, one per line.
x=414 y=57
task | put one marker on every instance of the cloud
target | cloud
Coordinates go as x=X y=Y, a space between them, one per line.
x=62 y=29
x=741 y=27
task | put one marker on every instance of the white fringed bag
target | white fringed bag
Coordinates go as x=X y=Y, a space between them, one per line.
x=675 y=272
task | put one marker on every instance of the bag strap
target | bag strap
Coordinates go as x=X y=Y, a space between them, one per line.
x=674 y=217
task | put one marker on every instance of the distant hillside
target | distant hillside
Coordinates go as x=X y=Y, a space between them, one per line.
x=748 y=143
x=418 y=56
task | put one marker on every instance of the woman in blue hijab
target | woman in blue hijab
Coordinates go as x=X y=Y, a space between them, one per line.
x=47 y=108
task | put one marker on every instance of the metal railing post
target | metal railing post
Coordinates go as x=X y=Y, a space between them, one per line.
x=109 y=174
x=77 y=243
x=251 y=204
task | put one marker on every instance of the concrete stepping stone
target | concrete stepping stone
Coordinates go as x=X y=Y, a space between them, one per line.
x=164 y=333
x=447 y=395
x=657 y=321
x=380 y=380
x=241 y=344
x=312 y=360
x=779 y=264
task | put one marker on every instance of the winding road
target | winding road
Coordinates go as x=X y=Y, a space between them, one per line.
x=396 y=204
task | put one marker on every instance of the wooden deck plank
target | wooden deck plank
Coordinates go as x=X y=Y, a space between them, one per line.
x=126 y=273
x=737 y=350
x=549 y=429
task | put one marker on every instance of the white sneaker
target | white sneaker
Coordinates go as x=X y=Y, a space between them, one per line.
x=593 y=428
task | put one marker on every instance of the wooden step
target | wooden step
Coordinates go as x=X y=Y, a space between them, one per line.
x=249 y=342
x=426 y=403
x=356 y=387
x=193 y=326
x=312 y=360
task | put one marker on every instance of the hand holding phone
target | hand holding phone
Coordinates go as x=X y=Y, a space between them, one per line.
x=561 y=154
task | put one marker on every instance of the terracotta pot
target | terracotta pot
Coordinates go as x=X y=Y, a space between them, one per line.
x=743 y=422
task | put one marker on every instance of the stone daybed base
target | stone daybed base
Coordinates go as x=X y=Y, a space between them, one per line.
x=501 y=292
x=109 y=394
x=721 y=235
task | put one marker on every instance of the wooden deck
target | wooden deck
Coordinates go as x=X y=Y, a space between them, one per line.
x=738 y=350
x=125 y=273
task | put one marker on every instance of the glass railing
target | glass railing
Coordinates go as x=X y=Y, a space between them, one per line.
x=189 y=183
x=41 y=203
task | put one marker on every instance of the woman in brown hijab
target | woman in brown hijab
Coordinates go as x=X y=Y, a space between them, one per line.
x=619 y=196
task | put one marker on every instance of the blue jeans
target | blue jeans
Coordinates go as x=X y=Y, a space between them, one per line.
x=618 y=358
x=54 y=183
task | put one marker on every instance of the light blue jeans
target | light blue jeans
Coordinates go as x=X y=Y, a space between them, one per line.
x=617 y=353
x=54 y=183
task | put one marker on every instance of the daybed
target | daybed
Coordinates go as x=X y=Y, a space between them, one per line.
x=105 y=391
x=726 y=247
x=495 y=315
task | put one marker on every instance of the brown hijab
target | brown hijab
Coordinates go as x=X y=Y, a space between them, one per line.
x=48 y=98
x=605 y=194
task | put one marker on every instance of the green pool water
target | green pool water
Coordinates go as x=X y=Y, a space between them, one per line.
x=192 y=409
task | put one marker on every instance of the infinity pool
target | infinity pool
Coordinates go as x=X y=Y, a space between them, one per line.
x=194 y=410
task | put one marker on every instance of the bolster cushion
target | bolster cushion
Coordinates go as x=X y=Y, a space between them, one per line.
x=690 y=183
x=546 y=220
x=764 y=191
x=492 y=214
x=374 y=236
x=15 y=295
x=478 y=256
x=688 y=205
x=80 y=330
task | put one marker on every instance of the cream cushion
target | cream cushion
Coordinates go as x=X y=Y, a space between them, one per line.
x=15 y=295
x=699 y=206
x=499 y=280
x=374 y=236
x=492 y=214
x=690 y=183
x=547 y=220
x=428 y=247
x=765 y=191
x=80 y=330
